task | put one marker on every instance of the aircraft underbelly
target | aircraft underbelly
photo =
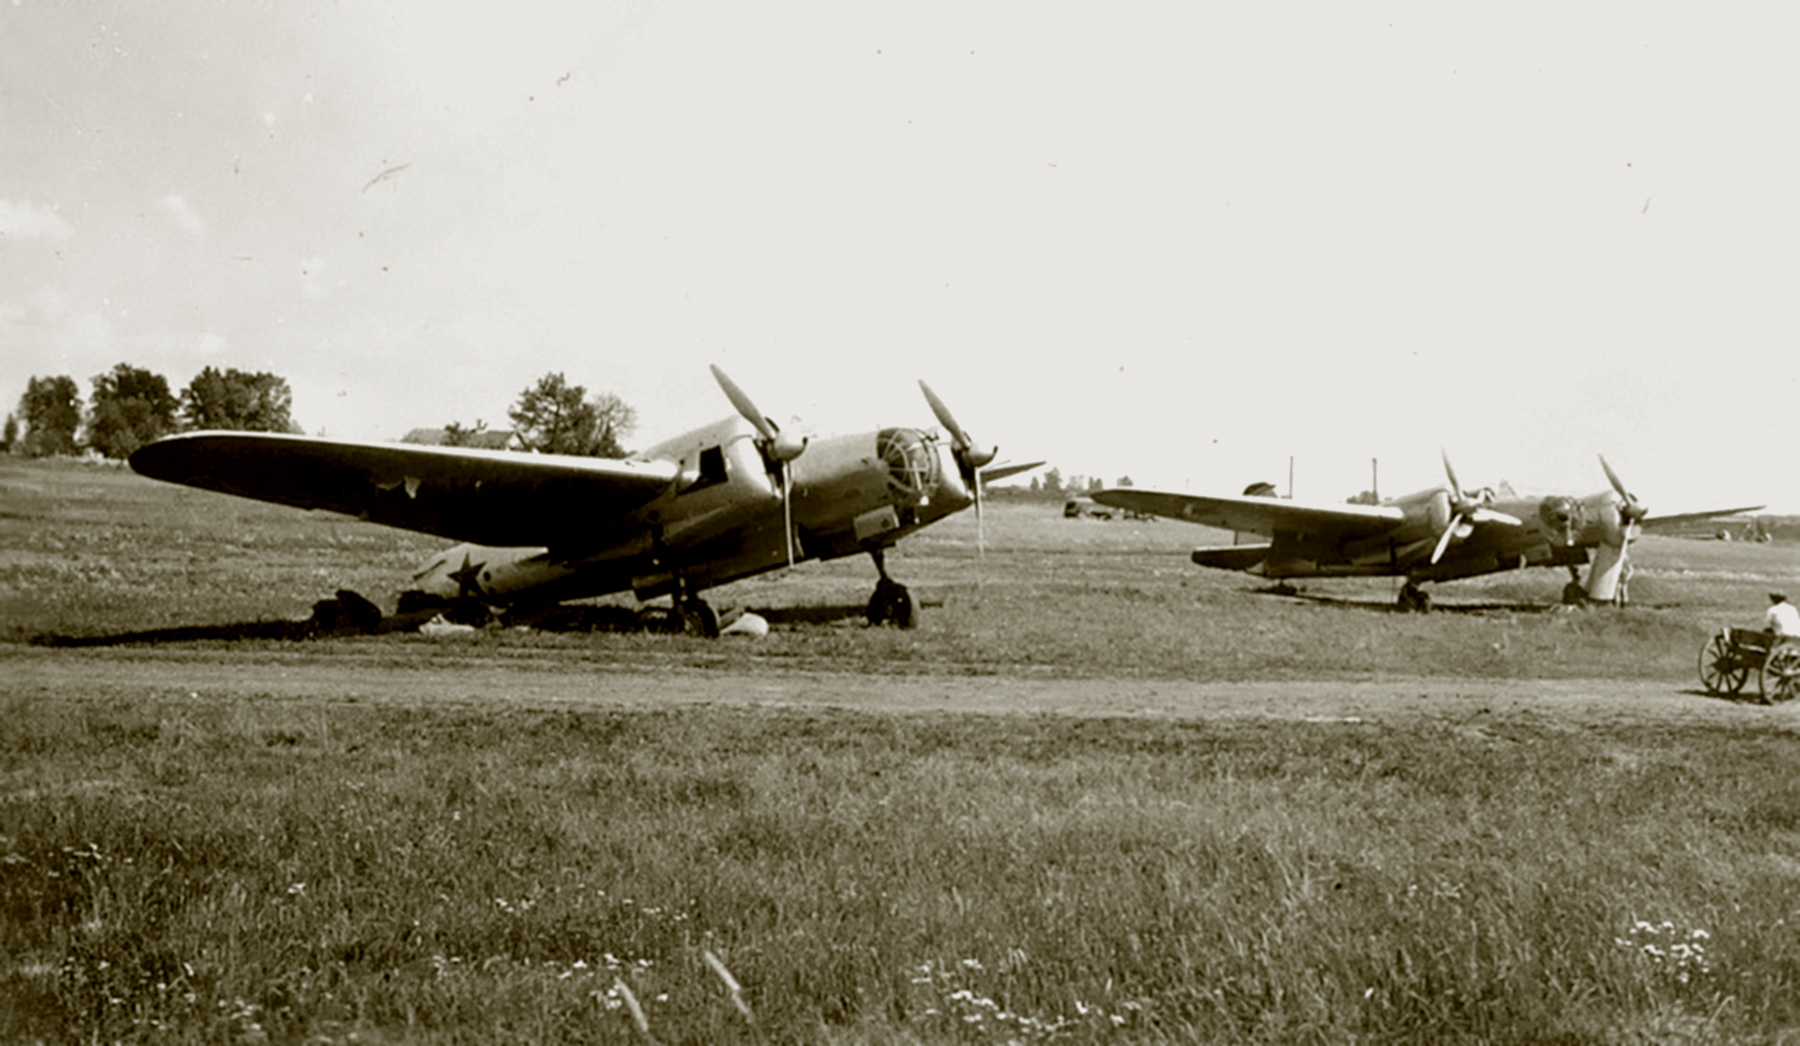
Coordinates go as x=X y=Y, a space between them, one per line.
x=1297 y=555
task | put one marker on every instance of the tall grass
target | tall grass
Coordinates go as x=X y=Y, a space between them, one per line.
x=201 y=870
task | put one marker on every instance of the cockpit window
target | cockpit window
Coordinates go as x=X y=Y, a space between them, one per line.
x=912 y=467
x=712 y=470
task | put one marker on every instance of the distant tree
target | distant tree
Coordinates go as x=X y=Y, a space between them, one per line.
x=11 y=435
x=1036 y=486
x=129 y=408
x=1096 y=484
x=1367 y=497
x=51 y=413
x=235 y=399
x=613 y=421
x=1053 y=482
x=555 y=417
x=1124 y=481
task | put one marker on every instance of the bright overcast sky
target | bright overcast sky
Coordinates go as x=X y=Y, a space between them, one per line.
x=1180 y=241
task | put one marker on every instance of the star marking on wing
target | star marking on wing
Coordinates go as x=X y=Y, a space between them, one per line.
x=468 y=579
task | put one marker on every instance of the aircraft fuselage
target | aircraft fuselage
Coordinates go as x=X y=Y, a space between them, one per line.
x=722 y=519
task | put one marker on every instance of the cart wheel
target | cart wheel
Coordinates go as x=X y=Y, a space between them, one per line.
x=1781 y=675
x=1720 y=671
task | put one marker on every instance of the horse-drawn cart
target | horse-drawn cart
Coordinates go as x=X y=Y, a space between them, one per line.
x=1732 y=655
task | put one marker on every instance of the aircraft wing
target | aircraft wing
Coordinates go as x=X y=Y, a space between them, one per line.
x=1257 y=515
x=1655 y=523
x=487 y=497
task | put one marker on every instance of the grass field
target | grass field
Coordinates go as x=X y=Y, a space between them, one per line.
x=97 y=551
x=229 y=866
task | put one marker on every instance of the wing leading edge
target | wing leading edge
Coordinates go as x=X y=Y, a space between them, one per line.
x=1258 y=515
x=480 y=496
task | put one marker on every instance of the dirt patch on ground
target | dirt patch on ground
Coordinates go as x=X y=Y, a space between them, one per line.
x=546 y=680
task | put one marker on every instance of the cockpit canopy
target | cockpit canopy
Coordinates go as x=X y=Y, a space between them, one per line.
x=912 y=466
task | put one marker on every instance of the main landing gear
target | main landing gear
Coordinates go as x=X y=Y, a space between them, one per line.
x=696 y=615
x=698 y=618
x=891 y=604
x=1413 y=599
x=1575 y=593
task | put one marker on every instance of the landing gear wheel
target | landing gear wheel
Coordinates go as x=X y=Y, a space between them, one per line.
x=1780 y=678
x=1414 y=600
x=893 y=605
x=1720 y=672
x=1574 y=595
x=698 y=618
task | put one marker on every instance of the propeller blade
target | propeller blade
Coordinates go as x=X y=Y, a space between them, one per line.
x=1613 y=477
x=1488 y=515
x=1444 y=538
x=945 y=418
x=969 y=454
x=980 y=533
x=1633 y=510
x=997 y=473
x=787 y=509
x=745 y=406
x=1450 y=471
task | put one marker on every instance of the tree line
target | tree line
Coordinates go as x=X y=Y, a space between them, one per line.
x=130 y=406
x=1052 y=484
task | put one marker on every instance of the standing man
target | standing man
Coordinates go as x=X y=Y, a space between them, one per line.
x=1782 y=621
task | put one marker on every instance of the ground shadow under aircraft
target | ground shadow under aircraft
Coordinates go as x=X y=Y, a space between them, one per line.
x=351 y=615
x=1388 y=606
x=345 y=615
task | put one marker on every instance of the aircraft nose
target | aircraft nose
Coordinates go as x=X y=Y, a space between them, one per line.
x=1560 y=518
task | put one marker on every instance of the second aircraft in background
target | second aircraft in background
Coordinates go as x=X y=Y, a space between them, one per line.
x=1439 y=534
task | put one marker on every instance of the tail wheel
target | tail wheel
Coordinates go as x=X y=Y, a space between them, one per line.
x=1720 y=671
x=1781 y=674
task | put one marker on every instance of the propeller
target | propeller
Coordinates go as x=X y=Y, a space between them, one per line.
x=778 y=450
x=1464 y=507
x=1631 y=510
x=971 y=457
x=1610 y=559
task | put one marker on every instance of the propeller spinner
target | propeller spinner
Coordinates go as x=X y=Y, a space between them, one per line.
x=778 y=450
x=970 y=457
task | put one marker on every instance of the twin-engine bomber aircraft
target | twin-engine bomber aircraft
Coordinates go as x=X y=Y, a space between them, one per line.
x=1439 y=534
x=736 y=498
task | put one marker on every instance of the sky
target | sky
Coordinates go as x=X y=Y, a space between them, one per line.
x=1188 y=243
